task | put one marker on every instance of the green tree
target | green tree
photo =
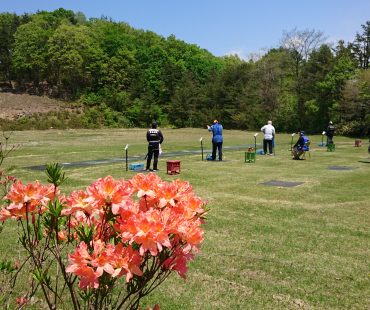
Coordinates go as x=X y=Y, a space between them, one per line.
x=69 y=50
x=182 y=110
x=352 y=111
x=30 y=58
x=361 y=46
x=8 y=26
x=300 y=44
x=317 y=99
x=332 y=85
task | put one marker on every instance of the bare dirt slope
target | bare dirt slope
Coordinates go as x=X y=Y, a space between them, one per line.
x=13 y=106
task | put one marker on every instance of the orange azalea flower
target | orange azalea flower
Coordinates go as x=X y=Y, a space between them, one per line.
x=178 y=261
x=147 y=202
x=81 y=256
x=78 y=201
x=107 y=191
x=167 y=195
x=114 y=260
x=189 y=232
x=27 y=198
x=88 y=277
x=147 y=230
x=126 y=261
x=102 y=257
x=191 y=207
x=81 y=266
x=165 y=215
x=151 y=233
x=183 y=187
x=145 y=185
x=194 y=234
x=20 y=194
x=5 y=214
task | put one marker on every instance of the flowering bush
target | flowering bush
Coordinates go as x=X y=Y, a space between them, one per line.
x=118 y=239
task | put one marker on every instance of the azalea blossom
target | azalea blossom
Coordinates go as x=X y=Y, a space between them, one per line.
x=145 y=185
x=121 y=227
x=108 y=192
x=78 y=201
x=168 y=195
x=24 y=199
x=114 y=260
x=178 y=261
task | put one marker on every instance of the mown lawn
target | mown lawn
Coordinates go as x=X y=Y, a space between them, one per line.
x=265 y=247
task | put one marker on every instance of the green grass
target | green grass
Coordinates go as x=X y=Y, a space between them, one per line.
x=305 y=247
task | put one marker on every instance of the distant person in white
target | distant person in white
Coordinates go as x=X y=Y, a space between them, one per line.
x=269 y=135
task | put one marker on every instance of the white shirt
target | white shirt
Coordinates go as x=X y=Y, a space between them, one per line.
x=269 y=132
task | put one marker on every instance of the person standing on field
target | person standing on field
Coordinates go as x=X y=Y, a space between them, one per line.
x=155 y=138
x=330 y=133
x=217 y=139
x=269 y=135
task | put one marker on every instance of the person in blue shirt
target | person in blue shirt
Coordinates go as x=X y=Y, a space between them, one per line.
x=301 y=146
x=217 y=139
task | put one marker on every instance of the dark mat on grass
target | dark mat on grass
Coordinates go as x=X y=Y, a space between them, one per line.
x=282 y=183
x=341 y=168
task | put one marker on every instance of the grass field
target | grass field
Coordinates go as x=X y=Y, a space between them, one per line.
x=265 y=247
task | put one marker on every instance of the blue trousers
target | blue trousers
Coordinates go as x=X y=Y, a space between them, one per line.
x=216 y=146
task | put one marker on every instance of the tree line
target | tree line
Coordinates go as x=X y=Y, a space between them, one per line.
x=125 y=77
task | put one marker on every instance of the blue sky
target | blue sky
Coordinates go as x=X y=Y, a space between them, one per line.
x=220 y=26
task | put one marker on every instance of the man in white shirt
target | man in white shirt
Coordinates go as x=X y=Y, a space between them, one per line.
x=269 y=135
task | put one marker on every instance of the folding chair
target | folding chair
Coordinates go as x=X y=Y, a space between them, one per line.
x=306 y=149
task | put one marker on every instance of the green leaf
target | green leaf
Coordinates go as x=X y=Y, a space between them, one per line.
x=55 y=174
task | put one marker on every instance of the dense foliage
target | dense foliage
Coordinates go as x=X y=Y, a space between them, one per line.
x=127 y=77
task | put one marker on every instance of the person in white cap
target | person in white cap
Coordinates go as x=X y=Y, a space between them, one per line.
x=269 y=135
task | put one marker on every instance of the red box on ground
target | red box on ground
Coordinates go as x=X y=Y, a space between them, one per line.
x=173 y=166
x=358 y=143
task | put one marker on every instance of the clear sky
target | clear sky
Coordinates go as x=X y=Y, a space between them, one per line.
x=221 y=26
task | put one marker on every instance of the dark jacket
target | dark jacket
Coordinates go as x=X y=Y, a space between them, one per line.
x=154 y=137
x=330 y=131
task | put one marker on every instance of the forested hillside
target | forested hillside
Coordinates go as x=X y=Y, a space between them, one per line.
x=125 y=77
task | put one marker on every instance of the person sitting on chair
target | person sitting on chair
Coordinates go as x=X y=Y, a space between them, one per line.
x=301 y=146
